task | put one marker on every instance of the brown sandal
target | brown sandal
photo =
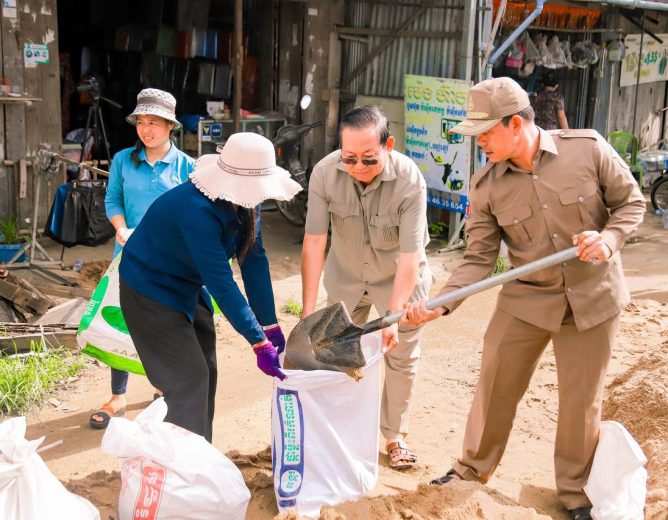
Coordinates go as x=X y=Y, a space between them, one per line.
x=400 y=455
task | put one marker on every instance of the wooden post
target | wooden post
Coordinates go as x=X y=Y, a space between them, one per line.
x=320 y=21
x=238 y=62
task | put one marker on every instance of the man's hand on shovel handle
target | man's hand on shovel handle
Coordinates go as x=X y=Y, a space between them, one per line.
x=390 y=337
x=591 y=247
x=416 y=313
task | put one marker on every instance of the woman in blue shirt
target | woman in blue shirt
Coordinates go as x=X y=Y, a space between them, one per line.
x=138 y=176
x=183 y=243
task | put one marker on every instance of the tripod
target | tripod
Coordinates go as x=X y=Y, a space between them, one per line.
x=95 y=122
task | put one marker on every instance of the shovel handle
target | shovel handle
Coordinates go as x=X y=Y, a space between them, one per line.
x=474 y=288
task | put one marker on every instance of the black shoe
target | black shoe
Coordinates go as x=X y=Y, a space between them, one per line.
x=450 y=475
x=581 y=513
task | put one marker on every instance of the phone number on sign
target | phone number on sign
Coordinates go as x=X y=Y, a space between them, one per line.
x=448 y=204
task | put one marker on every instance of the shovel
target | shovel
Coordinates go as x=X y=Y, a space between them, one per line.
x=329 y=340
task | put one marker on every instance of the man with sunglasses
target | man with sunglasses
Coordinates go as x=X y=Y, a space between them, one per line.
x=375 y=199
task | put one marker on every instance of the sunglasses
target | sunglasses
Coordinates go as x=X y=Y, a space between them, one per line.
x=352 y=161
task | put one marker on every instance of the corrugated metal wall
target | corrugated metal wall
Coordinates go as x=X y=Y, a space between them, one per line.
x=406 y=55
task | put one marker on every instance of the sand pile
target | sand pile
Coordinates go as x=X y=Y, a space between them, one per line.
x=101 y=489
x=638 y=399
x=456 y=501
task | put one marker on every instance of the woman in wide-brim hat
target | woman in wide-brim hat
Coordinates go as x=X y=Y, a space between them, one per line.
x=137 y=177
x=184 y=243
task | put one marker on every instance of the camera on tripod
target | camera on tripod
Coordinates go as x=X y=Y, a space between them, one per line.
x=90 y=85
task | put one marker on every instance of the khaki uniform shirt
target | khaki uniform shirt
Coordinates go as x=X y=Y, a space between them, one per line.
x=578 y=183
x=370 y=226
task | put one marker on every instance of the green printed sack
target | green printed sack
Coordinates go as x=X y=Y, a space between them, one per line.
x=102 y=332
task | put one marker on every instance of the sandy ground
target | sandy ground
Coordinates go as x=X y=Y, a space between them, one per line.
x=523 y=486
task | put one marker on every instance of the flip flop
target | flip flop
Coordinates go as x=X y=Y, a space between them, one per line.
x=106 y=412
x=401 y=456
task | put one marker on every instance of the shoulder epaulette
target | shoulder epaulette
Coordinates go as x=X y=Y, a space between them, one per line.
x=480 y=174
x=576 y=132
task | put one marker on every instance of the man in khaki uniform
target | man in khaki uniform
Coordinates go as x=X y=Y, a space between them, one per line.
x=540 y=193
x=376 y=200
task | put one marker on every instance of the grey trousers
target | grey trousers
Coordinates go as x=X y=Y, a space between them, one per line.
x=400 y=373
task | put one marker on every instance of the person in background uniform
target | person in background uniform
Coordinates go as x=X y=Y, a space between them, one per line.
x=542 y=192
x=549 y=105
x=376 y=200
x=183 y=243
x=138 y=176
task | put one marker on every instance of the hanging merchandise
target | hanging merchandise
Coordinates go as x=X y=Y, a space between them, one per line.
x=543 y=52
x=531 y=56
x=593 y=60
x=515 y=55
x=584 y=54
x=616 y=50
x=566 y=48
x=557 y=56
x=530 y=49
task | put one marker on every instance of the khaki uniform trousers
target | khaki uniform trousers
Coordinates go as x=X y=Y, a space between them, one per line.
x=511 y=351
x=400 y=373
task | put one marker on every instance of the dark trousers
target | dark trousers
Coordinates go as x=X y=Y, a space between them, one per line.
x=179 y=357
x=119 y=381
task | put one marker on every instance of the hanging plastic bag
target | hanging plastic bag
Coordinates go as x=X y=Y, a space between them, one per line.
x=325 y=434
x=169 y=473
x=28 y=489
x=557 y=56
x=617 y=485
x=102 y=332
x=531 y=51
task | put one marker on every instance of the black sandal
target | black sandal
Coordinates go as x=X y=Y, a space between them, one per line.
x=450 y=475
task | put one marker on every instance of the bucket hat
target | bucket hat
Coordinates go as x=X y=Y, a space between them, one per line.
x=244 y=172
x=490 y=101
x=155 y=102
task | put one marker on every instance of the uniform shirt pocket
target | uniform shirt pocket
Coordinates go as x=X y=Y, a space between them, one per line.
x=514 y=223
x=341 y=212
x=584 y=208
x=384 y=231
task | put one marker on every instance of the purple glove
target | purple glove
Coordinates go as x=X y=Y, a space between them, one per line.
x=267 y=360
x=275 y=335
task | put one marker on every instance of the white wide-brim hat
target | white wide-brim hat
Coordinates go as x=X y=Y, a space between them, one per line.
x=244 y=173
x=155 y=102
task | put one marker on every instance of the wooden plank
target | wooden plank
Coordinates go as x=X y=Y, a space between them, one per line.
x=23 y=179
x=64 y=291
x=22 y=344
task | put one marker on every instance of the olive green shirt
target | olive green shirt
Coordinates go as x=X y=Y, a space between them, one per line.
x=578 y=183
x=371 y=225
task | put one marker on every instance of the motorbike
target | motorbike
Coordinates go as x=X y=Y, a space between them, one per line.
x=286 y=144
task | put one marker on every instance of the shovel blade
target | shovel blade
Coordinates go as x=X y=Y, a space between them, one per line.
x=326 y=340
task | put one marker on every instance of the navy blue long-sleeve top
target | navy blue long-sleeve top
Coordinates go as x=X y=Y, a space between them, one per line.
x=183 y=243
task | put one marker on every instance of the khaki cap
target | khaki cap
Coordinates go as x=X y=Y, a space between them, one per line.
x=488 y=102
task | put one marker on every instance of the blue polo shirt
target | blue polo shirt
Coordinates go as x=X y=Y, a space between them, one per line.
x=184 y=242
x=132 y=189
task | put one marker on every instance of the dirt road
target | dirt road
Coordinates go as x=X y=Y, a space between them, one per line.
x=523 y=486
